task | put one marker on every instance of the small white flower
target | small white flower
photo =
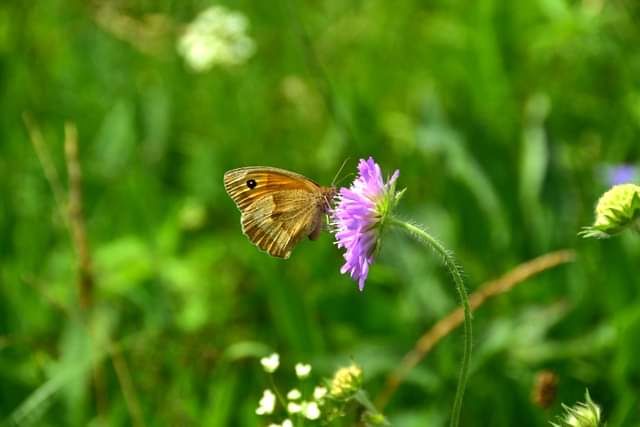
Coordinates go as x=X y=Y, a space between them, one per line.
x=271 y=363
x=294 y=394
x=267 y=403
x=294 y=408
x=319 y=392
x=302 y=370
x=287 y=423
x=311 y=411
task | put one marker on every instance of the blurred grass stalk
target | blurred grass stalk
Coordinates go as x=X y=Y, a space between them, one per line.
x=71 y=209
x=447 y=324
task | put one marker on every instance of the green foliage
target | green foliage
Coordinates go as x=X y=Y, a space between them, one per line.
x=500 y=116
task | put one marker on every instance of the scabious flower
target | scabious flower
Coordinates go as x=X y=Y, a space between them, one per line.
x=270 y=363
x=216 y=37
x=585 y=414
x=359 y=217
x=267 y=403
x=302 y=370
x=617 y=209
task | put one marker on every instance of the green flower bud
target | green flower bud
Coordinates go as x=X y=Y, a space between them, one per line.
x=585 y=414
x=346 y=382
x=617 y=209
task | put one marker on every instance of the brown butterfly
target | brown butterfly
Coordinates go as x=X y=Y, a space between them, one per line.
x=278 y=207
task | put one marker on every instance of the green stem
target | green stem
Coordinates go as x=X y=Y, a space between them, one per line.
x=277 y=391
x=454 y=270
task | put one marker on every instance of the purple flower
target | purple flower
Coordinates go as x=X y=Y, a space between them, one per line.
x=621 y=174
x=359 y=216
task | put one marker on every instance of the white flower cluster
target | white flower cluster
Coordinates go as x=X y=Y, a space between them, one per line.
x=310 y=409
x=216 y=37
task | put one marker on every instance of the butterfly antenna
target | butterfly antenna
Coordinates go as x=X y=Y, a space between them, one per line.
x=335 y=178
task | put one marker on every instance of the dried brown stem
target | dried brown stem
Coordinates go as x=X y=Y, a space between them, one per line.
x=75 y=221
x=126 y=384
x=447 y=324
x=76 y=217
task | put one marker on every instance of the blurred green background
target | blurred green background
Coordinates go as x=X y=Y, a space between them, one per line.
x=502 y=117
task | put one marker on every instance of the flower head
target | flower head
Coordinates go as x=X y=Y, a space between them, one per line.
x=616 y=210
x=270 y=363
x=267 y=403
x=359 y=216
x=585 y=414
x=216 y=36
x=302 y=370
x=346 y=382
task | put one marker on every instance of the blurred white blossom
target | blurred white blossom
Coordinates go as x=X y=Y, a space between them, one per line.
x=294 y=394
x=302 y=370
x=319 y=393
x=310 y=410
x=294 y=408
x=271 y=363
x=217 y=36
x=267 y=403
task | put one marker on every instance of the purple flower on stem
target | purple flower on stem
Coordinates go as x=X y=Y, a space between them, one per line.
x=359 y=216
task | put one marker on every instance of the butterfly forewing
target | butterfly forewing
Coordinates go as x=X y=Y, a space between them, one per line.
x=278 y=207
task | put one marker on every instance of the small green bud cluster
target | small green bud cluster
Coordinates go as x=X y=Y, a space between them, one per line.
x=617 y=209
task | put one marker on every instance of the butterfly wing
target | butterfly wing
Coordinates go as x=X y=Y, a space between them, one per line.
x=278 y=207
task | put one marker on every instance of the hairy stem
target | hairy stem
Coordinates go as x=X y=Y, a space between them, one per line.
x=454 y=270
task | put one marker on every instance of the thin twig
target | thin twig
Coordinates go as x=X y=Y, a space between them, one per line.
x=126 y=384
x=76 y=216
x=447 y=324
x=81 y=245
x=76 y=224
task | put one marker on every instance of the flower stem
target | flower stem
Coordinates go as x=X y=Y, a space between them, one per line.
x=454 y=270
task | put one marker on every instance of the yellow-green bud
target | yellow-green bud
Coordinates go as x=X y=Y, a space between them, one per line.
x=617 y=209
x=346 y=382
x=585 y=414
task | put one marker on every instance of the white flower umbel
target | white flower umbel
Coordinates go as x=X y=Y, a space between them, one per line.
x=216 y=37
x=302 y=370
x=270 y=363
x=267 y=403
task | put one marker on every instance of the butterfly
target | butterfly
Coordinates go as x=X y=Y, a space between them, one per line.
x=278 y=208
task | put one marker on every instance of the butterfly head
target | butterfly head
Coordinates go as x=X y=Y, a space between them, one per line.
x=328 y=195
